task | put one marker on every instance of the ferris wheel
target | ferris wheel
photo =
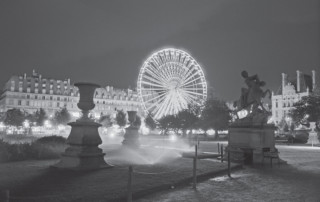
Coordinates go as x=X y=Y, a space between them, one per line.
x=168 y=81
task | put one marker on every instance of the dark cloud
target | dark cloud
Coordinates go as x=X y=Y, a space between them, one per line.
x=107 y=41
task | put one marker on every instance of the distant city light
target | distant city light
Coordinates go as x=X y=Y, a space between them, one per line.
x=47 y=124
x=26 y=124
x=144 y=130
x=2 y=126
x=211 y=132
x=243 y=113
x=75 y=114
x=61 y=127
x=173 y=138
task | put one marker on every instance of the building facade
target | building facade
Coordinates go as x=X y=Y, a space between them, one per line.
x=291 y=91
x=30 y=93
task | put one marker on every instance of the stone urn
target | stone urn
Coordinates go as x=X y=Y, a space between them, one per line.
x=131 y=136
x=83 y=152
x=86 y=103
x=313 y=137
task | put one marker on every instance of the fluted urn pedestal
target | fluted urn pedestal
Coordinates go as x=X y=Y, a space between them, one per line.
x=131 y=137
x=83 y=152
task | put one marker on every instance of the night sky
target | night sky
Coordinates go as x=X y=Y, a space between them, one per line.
x=106 y=42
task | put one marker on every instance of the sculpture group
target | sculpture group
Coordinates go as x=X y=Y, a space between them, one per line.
x=251 y=134
x=251 y=100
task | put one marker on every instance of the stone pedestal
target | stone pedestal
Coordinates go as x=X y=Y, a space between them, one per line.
x=313 y=136
x=245 y=142
x=131 y=137
x=83 y=152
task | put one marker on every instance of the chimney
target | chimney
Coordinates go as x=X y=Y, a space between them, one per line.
x=68 y=80
x=313 y=79
x=284 y=78
x=25 y=76
x=298 y=81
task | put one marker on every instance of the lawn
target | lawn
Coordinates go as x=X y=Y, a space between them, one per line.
x=35 y=181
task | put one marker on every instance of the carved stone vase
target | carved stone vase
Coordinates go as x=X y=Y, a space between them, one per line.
x=131 y=136
x=83 y=152
x=86 y=103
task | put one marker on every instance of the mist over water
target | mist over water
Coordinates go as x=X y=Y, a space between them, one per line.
x=153 y=150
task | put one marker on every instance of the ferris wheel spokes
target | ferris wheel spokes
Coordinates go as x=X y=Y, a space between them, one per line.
x=168 y=81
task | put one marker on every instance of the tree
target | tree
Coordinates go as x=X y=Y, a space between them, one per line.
x=167 y=122
x=40 y=116
x=188 y=118
x=105 y=120
x=121 y=118
x=14 y=117
x=215 y=115
x=62 y=117
x=306 y=110
x=150 y=122
x=137 y=122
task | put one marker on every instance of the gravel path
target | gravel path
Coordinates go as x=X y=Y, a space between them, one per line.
x=297 y=181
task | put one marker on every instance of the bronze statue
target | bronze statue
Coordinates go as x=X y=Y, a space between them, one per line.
x=251 y=97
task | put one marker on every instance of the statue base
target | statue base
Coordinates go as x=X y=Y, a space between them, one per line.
x=246 y=142
x=131 y=138
x=83 y=152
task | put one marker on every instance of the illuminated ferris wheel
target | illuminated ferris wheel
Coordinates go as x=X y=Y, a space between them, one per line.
x=169 y=80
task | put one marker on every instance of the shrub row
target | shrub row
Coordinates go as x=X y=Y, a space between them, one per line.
x=43 y=148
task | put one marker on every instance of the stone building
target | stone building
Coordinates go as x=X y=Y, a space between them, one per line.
x=291 y=91
x=30 y=93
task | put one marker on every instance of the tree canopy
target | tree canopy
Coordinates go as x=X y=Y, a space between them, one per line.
x=105 y=120
x=121 y=118
x=150 y=122
x=306 y=110
x=188 y=118
x=14 y=117
x=167 y=122
x=40 y=116
x=215 y=115
x=62 y=116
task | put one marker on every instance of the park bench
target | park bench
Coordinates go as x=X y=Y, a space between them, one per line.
x=271 y=154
